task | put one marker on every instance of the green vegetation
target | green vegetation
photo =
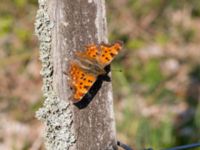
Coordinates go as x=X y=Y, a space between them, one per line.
x=156 y=94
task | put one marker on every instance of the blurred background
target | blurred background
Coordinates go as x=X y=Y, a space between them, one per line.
x=157 y=94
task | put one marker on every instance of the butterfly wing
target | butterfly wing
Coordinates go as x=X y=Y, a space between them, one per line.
x=81 y=81
x=108 y=52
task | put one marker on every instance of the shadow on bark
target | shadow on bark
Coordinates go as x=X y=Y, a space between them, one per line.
x=94 y=89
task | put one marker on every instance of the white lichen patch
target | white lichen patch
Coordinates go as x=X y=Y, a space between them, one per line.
x=57 y=117
x=65 y=23
x=55 y=113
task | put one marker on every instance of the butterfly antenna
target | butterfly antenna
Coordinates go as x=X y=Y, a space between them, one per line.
x=119 y=70
x=65 y=72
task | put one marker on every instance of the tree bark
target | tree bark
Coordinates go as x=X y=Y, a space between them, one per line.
x=62 y=27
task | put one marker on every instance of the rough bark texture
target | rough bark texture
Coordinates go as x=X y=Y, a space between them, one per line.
x=64 y=26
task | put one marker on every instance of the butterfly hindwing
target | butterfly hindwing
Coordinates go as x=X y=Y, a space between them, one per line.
x=81 y=81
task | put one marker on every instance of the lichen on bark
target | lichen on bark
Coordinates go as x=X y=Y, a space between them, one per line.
x=54 y=113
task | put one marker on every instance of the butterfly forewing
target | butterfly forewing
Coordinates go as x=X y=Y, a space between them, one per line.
x=108 y=53
x=91 y=52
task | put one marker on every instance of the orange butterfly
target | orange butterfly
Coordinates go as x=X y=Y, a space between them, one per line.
x=88 y=65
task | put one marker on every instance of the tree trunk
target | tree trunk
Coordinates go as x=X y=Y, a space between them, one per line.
x=62 y=27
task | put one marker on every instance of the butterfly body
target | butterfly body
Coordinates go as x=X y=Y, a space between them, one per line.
x=91 y=66
x=88 y=65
